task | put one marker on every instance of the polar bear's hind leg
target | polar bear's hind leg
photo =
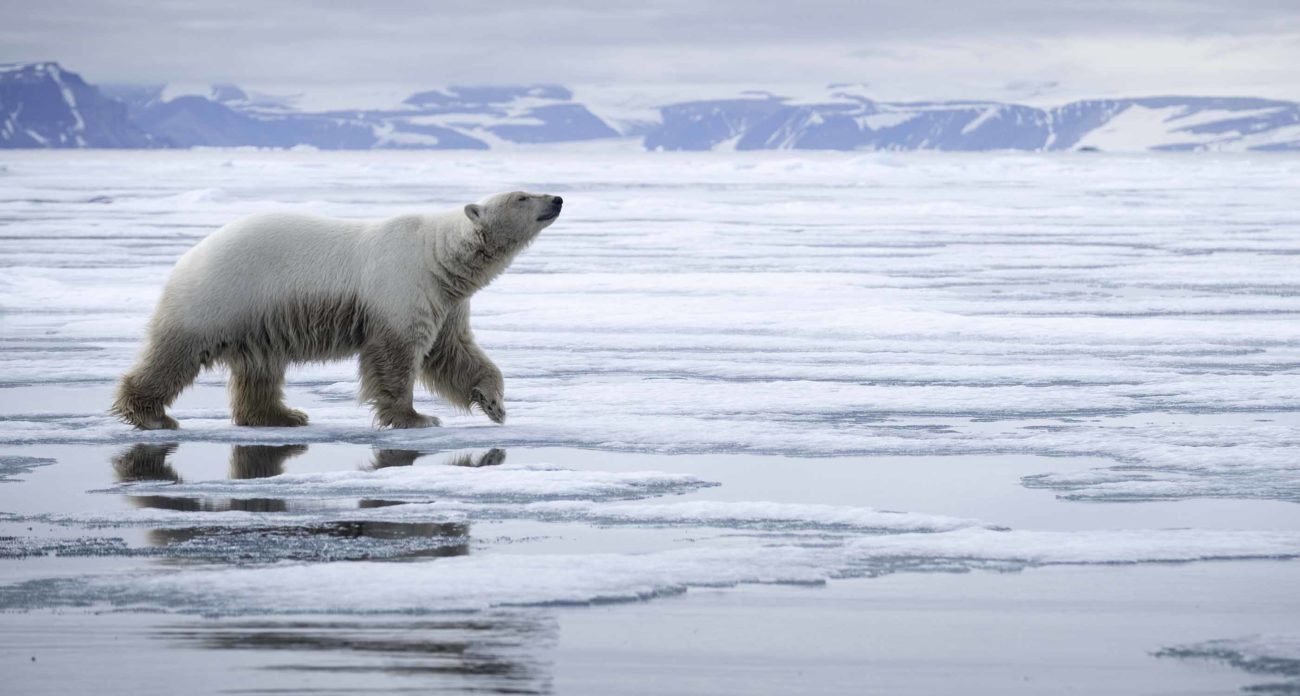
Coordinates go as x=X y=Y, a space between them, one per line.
x=166 y=369
x=257 y=395
x=388 y=382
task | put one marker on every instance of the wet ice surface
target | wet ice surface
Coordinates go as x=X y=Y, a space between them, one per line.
x=730 y=380
x=334 y=592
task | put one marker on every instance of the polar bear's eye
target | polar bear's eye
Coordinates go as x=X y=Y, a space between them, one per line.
x=520 y=198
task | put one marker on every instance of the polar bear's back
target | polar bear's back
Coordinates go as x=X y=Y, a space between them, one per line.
x=252 y=264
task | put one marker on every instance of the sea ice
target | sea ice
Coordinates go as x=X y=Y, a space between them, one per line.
x=1136 y=311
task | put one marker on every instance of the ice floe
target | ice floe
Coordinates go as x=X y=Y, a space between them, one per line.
x=720 y=514
x=475 y=582
x=505 y=482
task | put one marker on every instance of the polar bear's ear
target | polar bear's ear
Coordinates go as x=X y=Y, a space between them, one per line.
x=474 y=212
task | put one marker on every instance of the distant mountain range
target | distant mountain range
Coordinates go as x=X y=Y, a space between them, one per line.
x=44 y=106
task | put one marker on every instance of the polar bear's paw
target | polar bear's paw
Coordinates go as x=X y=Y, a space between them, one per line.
x=276 y=418
x=490 y=404
x=160 y=422
x=405 y=421
x=292 y=418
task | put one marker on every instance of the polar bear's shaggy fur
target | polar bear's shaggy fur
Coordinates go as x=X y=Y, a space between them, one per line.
x=276 y=289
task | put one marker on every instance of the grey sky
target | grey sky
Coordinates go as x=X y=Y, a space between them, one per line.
x=918 y=48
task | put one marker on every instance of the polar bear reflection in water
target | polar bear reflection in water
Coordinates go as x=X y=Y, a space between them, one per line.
x=501 y=651
x=332 y=538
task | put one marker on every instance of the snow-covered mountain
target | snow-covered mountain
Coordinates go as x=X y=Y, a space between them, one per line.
x=45 y=106
x=850 y=121
x=455 y=118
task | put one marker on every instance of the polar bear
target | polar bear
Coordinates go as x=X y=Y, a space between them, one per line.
x=275 y=289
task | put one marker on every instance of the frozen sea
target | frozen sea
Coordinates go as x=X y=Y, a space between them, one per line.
x=834 y=424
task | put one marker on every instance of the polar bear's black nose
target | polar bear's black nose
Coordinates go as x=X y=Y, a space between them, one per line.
x=558 y=201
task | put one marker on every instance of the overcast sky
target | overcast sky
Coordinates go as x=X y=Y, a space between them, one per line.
x=1036 y=49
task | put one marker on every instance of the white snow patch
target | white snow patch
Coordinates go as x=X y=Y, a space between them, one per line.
x=1204 y=116
x=745 y=513
x=885 y=119
x=388 y=135
x=1132 y=129
x=176 y=90
x=985 y=115
x=69 y=98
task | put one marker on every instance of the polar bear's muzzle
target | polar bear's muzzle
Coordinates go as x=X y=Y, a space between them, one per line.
x=556 y=204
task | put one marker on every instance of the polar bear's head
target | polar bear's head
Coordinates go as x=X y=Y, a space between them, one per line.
x=514 y=218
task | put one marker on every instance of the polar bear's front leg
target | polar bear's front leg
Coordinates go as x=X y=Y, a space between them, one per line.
x=459 y=371
x=388 y=381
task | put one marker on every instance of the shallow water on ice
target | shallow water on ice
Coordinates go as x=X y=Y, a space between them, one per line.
x=245 y=532
x=723 y=374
